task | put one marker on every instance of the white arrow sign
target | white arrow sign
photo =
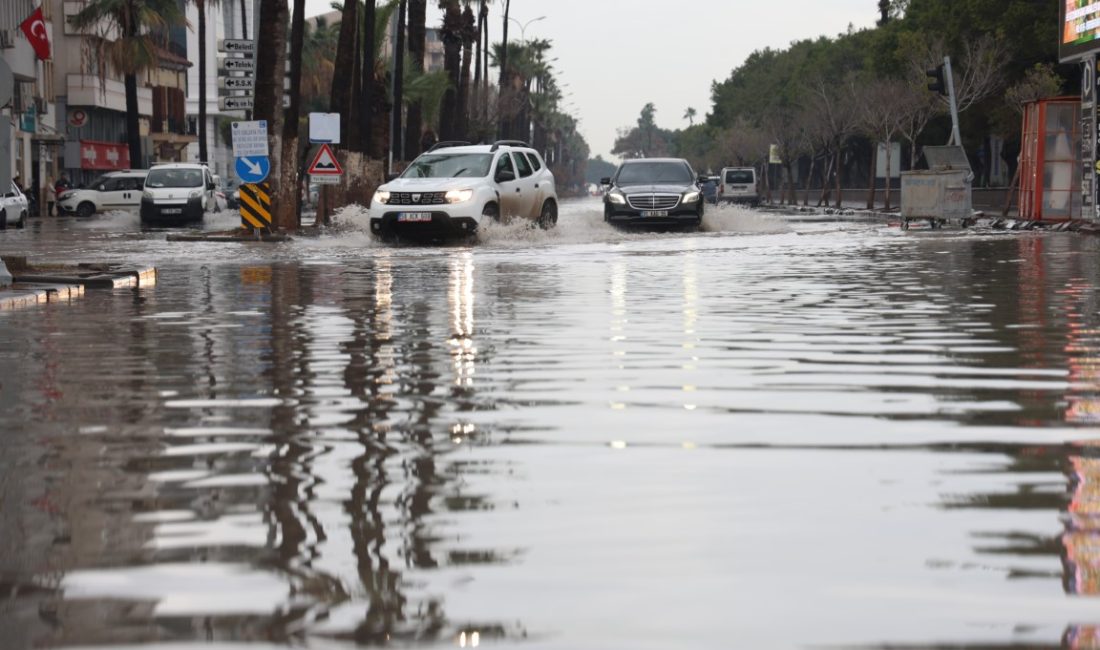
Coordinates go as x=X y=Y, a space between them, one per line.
x=236 y=45
x=235 y=103
x=236 y=83
x=238 y=65
x=255 y=168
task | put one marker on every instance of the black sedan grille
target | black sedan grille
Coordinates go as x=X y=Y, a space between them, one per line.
x=653 y=201
x=417 y=198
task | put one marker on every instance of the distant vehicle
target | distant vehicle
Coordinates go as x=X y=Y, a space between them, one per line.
x=177 y=193
x=654 y=193
x=119 y=190
x=738 y=185
x=455 y=187
x=13 y=208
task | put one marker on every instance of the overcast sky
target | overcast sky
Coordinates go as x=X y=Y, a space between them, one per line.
x=614 y=56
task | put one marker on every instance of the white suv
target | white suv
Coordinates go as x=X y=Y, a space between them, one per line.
x=455 y=187
x=111 y=191
x=13 y=208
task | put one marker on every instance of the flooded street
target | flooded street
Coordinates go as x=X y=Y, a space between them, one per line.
x=776 y=433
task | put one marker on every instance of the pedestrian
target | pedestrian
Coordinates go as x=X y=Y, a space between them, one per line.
x=62 y=184
x=51 y=195
x=428 y=140
x=18 y=183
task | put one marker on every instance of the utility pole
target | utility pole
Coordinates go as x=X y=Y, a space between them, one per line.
x=956 y=138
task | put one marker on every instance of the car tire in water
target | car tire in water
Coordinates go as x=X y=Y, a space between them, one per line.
x=491 y=211
x=3 y=219
x=22 y=221
x=548 y=218
x=85 y=209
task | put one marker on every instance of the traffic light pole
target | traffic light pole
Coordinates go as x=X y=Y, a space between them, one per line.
x=956 y=137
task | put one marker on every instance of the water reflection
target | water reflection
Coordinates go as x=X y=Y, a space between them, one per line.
x=467 y=447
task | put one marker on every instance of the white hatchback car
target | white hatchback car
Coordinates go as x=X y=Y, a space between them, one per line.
x=112 y=191
x=455 y=187
x=13 y=208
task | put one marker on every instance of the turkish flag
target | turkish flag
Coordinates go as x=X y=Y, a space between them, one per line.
x=35 y=29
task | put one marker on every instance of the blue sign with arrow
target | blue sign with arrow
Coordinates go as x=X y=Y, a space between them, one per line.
x=252 y=169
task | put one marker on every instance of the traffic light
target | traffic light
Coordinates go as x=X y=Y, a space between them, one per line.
x=936 y=83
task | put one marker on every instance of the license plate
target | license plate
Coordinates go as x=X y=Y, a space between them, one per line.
x=413 y=217
x=654 y=213
x=172 y=211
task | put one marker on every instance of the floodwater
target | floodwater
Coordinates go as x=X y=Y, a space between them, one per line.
x=777 y=433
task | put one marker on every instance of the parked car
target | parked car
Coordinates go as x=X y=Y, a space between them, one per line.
x=455 y=187
x=111 y=191
x=14 y=208
x=653 y=193
x=177 y=193
x=738 y=185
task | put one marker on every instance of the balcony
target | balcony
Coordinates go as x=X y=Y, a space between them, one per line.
x=90 y=90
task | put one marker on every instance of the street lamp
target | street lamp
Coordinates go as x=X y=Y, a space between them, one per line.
x=523 y=27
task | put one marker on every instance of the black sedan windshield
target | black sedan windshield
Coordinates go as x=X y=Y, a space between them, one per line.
x=655 y=173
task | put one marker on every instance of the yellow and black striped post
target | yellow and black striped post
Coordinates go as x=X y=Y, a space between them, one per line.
x=256 y=206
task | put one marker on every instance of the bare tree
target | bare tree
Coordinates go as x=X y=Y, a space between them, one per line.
x=978 y=73
x=835 y=107
x=881 y=104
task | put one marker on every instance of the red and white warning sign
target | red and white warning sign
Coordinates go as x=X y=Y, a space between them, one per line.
x=324 y=163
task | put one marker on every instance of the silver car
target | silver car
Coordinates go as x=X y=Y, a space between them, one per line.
x=13 y=208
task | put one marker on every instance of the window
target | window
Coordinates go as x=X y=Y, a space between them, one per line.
x=504 y=163
x=534 y=158
x=524 y=166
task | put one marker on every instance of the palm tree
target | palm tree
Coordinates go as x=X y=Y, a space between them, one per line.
x=468 y=34
x=451 y=33
x=690 y=114
x=201 y=6
x=418 y=10
x=340 y=95
x=318 y=56
x=143 y=28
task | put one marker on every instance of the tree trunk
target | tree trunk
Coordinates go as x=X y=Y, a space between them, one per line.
x=340 y=96
x=204 y=154
x=414 y=118
x=485 y=63
x=871 y=177
x=836 y=178
x=396 y=141
x=463 y=120
x=886 y=205
x=366 y=98
x=270 y=72
x=286 y=202
x=475 y=103
x=452 y=55
x=502 y=129
x=354 y=141
x=133 y=124
x=809 y=180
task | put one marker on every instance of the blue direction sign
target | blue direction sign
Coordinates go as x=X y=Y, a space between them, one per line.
x=252 y=169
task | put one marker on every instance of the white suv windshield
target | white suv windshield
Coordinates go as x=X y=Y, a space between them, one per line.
x=174 y=178
x=450 y=165
x=647 y=173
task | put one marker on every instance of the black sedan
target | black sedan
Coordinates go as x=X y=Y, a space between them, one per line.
x=653 y=193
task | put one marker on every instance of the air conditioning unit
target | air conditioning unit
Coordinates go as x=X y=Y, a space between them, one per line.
x=7 y=39
x=41 y=106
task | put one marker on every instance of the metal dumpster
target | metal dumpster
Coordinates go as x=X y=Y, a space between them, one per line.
x=940 y=196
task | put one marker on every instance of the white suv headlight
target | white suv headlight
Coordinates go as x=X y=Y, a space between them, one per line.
x=616 y=197
x=382 y=196
x=458 y=196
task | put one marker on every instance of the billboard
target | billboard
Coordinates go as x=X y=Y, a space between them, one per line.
x=1080 y=32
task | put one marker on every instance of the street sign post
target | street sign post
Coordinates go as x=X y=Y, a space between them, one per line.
x=249 y=139
x=252 y=169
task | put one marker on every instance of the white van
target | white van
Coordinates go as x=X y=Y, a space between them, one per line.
x=177 y=193
x=112 y=191
x=738 y=185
